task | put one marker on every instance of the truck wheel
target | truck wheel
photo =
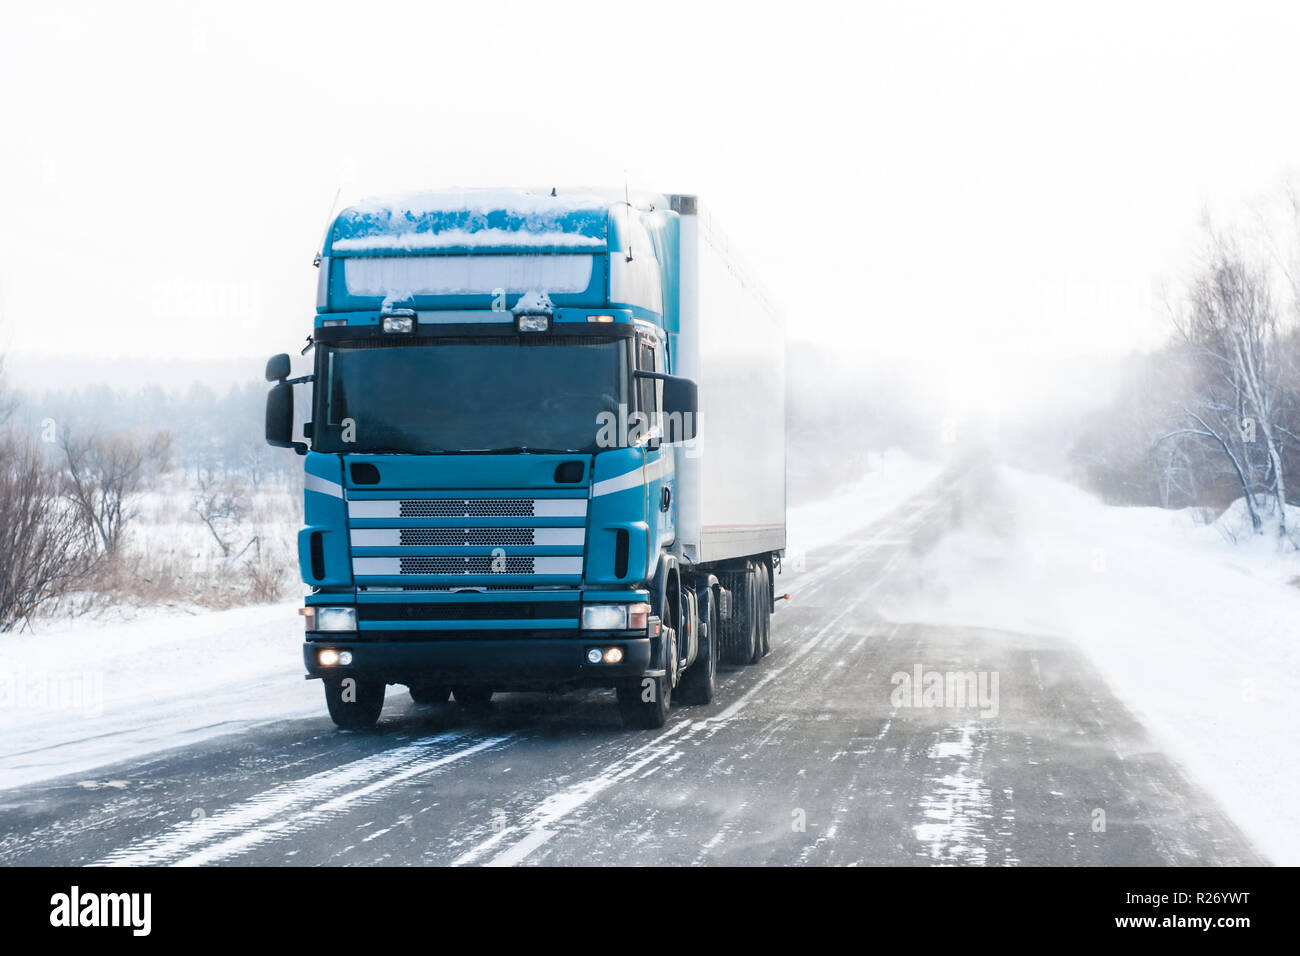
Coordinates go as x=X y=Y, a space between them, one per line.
x=765 y=610
x=756 y=612
x=429 y=693
x=355 y=706
x=742 y=634
x=643 y=702
x=473 y=698
x=700 y=680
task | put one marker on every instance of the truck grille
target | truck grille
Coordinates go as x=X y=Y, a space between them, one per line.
x=450 y=537
x=466 y=565
x=466 y=508
x=467 y=542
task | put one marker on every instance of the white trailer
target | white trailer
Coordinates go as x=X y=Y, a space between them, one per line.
x=731 y=477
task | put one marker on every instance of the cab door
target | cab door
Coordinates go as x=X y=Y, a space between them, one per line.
x=658 y=468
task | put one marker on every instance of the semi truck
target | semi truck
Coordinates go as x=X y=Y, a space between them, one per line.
x=544 y=450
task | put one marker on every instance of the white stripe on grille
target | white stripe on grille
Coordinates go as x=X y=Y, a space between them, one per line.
x=542 y=564
x=541 y=537
x=560 y=507
x=541 y=507
x=373 y=509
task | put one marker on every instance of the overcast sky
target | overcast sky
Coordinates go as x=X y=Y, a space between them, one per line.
x=961 y=186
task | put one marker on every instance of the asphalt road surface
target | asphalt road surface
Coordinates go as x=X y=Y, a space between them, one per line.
x=813 y=756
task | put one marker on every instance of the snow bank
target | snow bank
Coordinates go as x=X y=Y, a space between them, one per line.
x=1200 y=637
x=74 y=696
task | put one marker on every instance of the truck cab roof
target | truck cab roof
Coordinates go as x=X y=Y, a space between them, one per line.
x=463 y=249
x=491 y=220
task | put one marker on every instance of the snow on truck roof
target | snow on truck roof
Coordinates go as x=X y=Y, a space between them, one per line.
x=468 y=220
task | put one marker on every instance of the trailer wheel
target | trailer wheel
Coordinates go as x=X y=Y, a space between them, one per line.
x=765 y=610
x=700 y=680
x=429 y=693
x=742 y=632
x=756 y=612
x=354 y=704
x=473 y=698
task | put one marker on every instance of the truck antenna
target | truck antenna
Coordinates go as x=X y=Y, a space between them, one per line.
x=320 y=250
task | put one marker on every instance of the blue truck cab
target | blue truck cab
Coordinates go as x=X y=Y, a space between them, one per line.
x=506 y=460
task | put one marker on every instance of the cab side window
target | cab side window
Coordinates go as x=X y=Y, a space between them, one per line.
x=648 y=387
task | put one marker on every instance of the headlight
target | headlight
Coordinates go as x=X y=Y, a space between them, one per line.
x=399 y=323
x=534 y=323
x=604 y=617
x=336 y=619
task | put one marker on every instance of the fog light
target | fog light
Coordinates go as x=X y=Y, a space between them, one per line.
x=328 y=657
x=638 y=615
x=345 y=658
x=614 y=655
x=593 y=656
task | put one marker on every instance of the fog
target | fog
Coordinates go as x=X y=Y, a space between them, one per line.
x=977 y=197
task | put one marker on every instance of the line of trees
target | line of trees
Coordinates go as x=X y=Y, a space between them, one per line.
x=1214 y=415
x=75 y=467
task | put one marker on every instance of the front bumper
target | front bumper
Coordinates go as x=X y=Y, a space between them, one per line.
x=526 y=664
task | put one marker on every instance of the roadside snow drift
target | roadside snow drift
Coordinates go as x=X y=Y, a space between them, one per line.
x=75 y=696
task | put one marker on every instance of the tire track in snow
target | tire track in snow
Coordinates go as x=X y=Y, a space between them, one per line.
x=538 y=825
x=233 y=830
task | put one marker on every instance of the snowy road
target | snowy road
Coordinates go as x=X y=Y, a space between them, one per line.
x=821 y=754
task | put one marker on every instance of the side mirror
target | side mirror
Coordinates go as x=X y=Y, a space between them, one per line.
x=279 y=417
x=681 y=408
x=277 y=367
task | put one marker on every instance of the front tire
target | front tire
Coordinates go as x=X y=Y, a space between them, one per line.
x=354 y=704
x=644 y=702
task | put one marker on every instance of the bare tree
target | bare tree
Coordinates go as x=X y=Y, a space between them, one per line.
x=220 y=506
x=1232 y=324
x=105 y=472
x=46 y=545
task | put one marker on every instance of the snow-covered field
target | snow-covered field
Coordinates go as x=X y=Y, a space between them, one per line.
x=1198 y=635
x=78 y=695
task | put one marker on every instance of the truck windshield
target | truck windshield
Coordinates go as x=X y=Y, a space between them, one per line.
x=481 y=394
